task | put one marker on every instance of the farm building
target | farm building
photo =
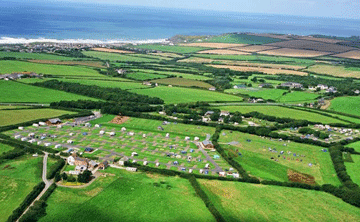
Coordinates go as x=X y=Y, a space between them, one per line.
x=145 y=163
x=207 y=166
x=160 y=128
x=103 y=165
x=206 y=144
x=222 y=174
x=190 y=170
x=292 y=85
x=31 y=141
x=59 y=126
x=265 y=85
x=157 y=164
x=92 y=164
x=209 y=113
x=31 y=134
x=73 y=172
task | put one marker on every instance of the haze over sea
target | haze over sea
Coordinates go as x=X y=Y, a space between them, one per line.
x=21 y=20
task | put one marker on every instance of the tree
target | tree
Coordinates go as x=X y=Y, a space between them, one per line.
x=85 y=177
x=57 y=177
x=64 y=176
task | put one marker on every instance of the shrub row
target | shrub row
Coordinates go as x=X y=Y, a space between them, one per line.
x=27 y=201
x=30 y=147
x=55 y=168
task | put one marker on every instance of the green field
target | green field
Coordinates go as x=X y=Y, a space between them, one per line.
x=353 y=168
x=58 y=70
x=274 y=94
x=168 y=48
x=355 y=145
x=4 y=148
x=251 y=202
x=177 y=74
x=128 y=196
x=348 y=104
x=260 y=59
x=17 y=92
x=282 y=112
x=183 y=82
x=120 y=57
x=11 y=107
x=38 y=56
x=10 y=117
x=243 y=39
x=144 y=76
x=17 y=179
x=256 y=158
x=296 y=96
x=185 y=95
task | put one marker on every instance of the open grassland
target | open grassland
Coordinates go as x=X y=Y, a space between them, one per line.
x=294 y=52
x=10 y=117
x=95 y=64
x=166 y=54
x=58 y=70
x=349 y=55
x=111 y=83
x=178 y=74
x=274 y=94
x=339 y=71
x=17 y=92
x=242 y=39
x=260 y=59
x=37 y=56
x=312 y=45
x=260 y=69
x=2 y=107
x=111 y=50
x=355 y=145
x=213 y=45
x=124 y=196
x=4 y=148
x=17 y=179
x=185 y=95
x=169 y=48
x=282 y=112
x=144 y=76
x=183 y=82
x=223 y=52
x=297 y=96
x=256 y=158
x=251 y=202
x=346 y=104
x=254 y=48
x=353 y=168
x=347 y=118
x=120 y=57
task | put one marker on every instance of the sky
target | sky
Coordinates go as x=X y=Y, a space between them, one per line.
x=349 y=9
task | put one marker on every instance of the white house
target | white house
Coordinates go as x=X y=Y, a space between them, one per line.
x=88 y=124
x=322 y=87
x=212 y=88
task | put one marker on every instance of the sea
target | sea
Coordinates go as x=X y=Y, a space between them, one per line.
x=34 y=20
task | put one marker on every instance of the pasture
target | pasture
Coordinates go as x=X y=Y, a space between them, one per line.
x=269 y=71
x=242 y=39
x=223 y=52
x=177 y=74
x=262 y=157
x=185 y=95
x=144 y=76
x=213 y=45
x=169 y=48
x=273 y=94
x=252 y=202
x=282 y=112
x=12 y=92
x=338 y=71
x=111 y=83
x=10 y=117
x=352 y=168
x=120 y=57
x=37 y=56
x=253 y=48
x=355 y=145
x=183 y=82
x=294 y=53
x=4 y=148
x=17 y=178
x=95 y=64
x=124 y=196
x=58 y=70
x=346 y=104
x=111 y=50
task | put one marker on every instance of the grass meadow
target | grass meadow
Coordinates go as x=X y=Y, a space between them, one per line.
x=185 y=95
x=256 y=158
x=4 y=148
x=353 y=168
x=243 y=39
x=120 y=57
x=125 y=196
x=144 y=76
x=38 y=56
x=282 y=112
x=111 y=83
x=10 y=117
x=58 y=70
x=17 y=179
x=183 y=82
x=252 y=202
x=168 y=48
x=17 y=92
x=347 y=104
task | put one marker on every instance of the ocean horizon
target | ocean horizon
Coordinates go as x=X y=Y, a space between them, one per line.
x=26 y=22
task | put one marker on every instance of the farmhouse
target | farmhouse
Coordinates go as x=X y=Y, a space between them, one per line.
x=292 y=85
x=206 y=144
x=77 y=161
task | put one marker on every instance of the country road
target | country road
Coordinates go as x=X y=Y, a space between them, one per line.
x=47 y=183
